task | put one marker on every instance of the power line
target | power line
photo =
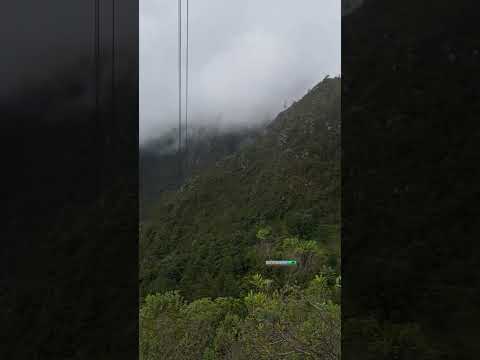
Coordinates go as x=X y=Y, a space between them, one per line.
x=181 y=157
x=113 y=61
x=180 y=87
x=98 y=134
x=186 y=85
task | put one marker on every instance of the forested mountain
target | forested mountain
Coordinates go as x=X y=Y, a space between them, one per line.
x=276 y=197
x=287 y=179
x=159 y=159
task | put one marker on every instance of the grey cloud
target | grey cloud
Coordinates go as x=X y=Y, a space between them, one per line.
x=246 y=58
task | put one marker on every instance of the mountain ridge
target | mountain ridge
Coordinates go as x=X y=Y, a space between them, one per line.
x=287 y=180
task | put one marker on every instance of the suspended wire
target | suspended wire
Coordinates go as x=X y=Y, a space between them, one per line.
x=97 y=55
x=113 y=61
x=180 y=86
x=186 y=86
x=98 y=134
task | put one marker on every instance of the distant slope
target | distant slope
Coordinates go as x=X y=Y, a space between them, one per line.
x=204 y=238
x=159 y=158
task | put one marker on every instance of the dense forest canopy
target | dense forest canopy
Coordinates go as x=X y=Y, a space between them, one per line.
x=205 y=290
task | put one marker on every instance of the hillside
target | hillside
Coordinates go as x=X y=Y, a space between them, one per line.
x=203 y=238
x=204 y=287
x=159 y=159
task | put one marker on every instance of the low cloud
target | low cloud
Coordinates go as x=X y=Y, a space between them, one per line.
x=247 y=58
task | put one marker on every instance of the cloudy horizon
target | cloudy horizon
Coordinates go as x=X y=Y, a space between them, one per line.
x=246 y=58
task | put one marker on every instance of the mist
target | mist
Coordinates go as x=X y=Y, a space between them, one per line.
x=247 y=59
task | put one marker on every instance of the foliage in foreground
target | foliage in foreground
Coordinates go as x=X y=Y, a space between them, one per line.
x=266 y=323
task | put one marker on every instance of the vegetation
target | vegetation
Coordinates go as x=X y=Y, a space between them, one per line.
x=205 y=290
x=159 y=159
x=265 y=323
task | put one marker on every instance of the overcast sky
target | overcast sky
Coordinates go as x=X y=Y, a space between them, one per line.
x=247 y=57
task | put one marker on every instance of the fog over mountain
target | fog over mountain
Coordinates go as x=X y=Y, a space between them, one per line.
x=247 y=58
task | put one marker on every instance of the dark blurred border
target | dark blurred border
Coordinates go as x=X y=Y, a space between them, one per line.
x=69 y=150
x=410 y=130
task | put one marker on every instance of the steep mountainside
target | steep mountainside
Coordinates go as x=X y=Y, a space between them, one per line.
x=278 y=196
x=159 y=158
